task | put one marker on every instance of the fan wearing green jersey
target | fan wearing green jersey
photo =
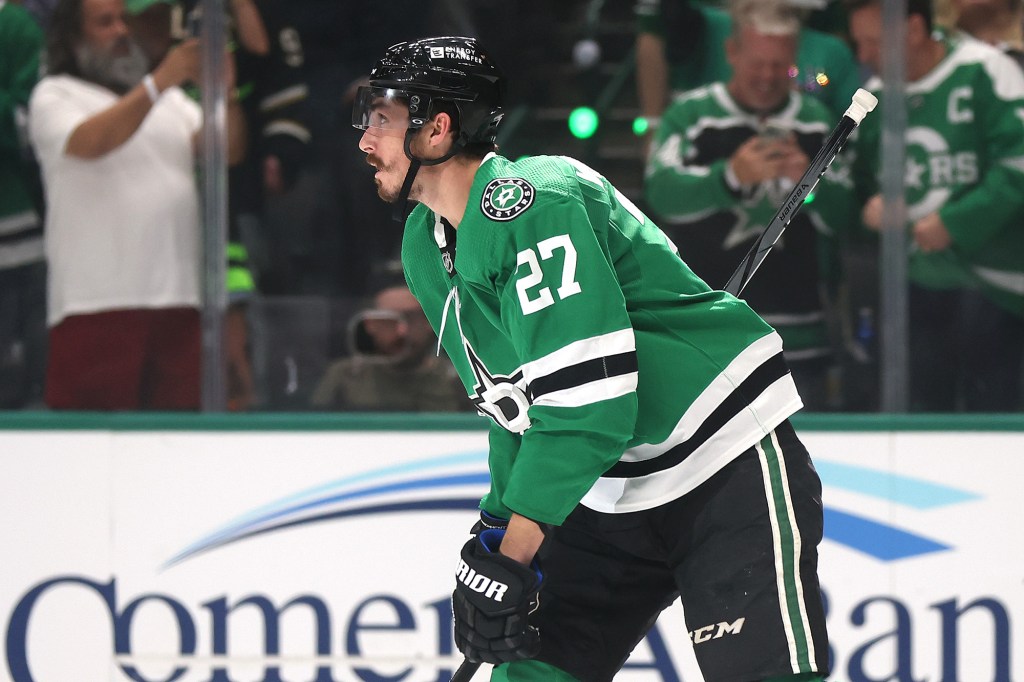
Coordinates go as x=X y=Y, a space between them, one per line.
x=640 y=447
x=964 y=192
x=679 y=48
x=725 y=158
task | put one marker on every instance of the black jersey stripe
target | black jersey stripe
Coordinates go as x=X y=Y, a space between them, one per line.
x=584 y=372
x=21 y=235
x=773 y=369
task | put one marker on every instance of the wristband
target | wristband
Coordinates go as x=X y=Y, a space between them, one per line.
x=150 y=85
x=731 y=181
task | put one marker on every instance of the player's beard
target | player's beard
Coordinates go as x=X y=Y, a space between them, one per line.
x=391 y=170
x=388 y=194
x=119 y=72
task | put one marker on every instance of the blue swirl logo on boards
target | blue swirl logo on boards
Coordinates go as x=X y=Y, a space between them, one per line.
x=454 y=483
x=448 y=483
x=872 y=537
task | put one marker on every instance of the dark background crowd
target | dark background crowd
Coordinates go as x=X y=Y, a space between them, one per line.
x=706 y=113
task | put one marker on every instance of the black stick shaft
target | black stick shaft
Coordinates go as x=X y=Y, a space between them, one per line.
x=465 y=672
x=778 y=224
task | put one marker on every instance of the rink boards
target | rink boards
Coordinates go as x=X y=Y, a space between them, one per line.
x=163 y=553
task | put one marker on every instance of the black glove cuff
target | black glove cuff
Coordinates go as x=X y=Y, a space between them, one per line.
x=488 y=521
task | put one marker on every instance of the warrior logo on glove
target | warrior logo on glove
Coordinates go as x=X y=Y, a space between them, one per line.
x=490 y=588
x=492 y=602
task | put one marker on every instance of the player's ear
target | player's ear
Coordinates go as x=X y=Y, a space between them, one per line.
x=441 y=125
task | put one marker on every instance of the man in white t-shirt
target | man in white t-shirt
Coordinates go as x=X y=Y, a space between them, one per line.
x=116 y=143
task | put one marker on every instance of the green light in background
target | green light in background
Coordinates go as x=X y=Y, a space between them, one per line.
x=583 y=122
x=640 y=126
x=810 y=198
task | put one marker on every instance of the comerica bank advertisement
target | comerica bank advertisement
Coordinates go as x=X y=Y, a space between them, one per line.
x=330 y=557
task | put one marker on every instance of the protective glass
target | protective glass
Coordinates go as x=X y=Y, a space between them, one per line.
x=386 y=109
x=368 y=328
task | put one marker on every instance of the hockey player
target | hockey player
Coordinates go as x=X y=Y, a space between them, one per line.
x=640 y=425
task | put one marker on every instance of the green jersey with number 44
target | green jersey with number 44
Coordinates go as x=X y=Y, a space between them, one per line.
x=614 y=376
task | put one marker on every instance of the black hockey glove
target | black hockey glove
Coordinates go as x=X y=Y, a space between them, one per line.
x=494 y=596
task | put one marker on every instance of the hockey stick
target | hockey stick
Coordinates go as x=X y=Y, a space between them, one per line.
x=863 y=102
x=466 y=671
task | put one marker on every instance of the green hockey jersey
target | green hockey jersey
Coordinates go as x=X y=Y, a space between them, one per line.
x=715 y=225
x=613 y=375
x=964 y=159
x=21 y=232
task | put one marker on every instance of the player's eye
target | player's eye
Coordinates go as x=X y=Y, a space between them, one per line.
x=378 y=120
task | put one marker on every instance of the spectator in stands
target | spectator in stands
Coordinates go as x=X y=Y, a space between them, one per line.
x=329 y=235
x=273 y=96
x=964 y=194
x=725 y=158
x=393 y=366
x=40 y=10
x=22 y=269
x=996 y=22
x=332 y=236
x=679 y=47
x=117 y=146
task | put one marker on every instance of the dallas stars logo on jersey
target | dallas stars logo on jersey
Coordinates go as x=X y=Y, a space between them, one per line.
x=505 y=198
x=934 y=170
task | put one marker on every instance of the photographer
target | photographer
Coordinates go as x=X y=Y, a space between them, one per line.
x=117 y=144
x=393 y=366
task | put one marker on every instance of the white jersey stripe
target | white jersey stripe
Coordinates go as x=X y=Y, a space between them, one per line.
x=621 y=495
x=592 y=392
x=576 y=352
x=22 y=252
x=1002 y=279
x=18 y=222
x=742 y=366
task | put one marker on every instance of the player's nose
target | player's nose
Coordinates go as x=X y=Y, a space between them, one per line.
x=366 y=142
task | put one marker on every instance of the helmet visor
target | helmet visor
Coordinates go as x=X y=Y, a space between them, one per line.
x=384 y=109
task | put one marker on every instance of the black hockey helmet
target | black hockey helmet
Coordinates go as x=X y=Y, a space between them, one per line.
x=420 y=73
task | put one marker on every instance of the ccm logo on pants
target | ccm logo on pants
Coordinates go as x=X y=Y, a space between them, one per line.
x=478 y=582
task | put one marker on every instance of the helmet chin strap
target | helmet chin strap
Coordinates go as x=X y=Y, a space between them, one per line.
x=401 y=210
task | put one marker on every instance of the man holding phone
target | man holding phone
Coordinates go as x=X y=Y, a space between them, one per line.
x=724 y=159
x=117 y=139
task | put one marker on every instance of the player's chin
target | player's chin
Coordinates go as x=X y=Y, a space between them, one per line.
x=388 y=195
